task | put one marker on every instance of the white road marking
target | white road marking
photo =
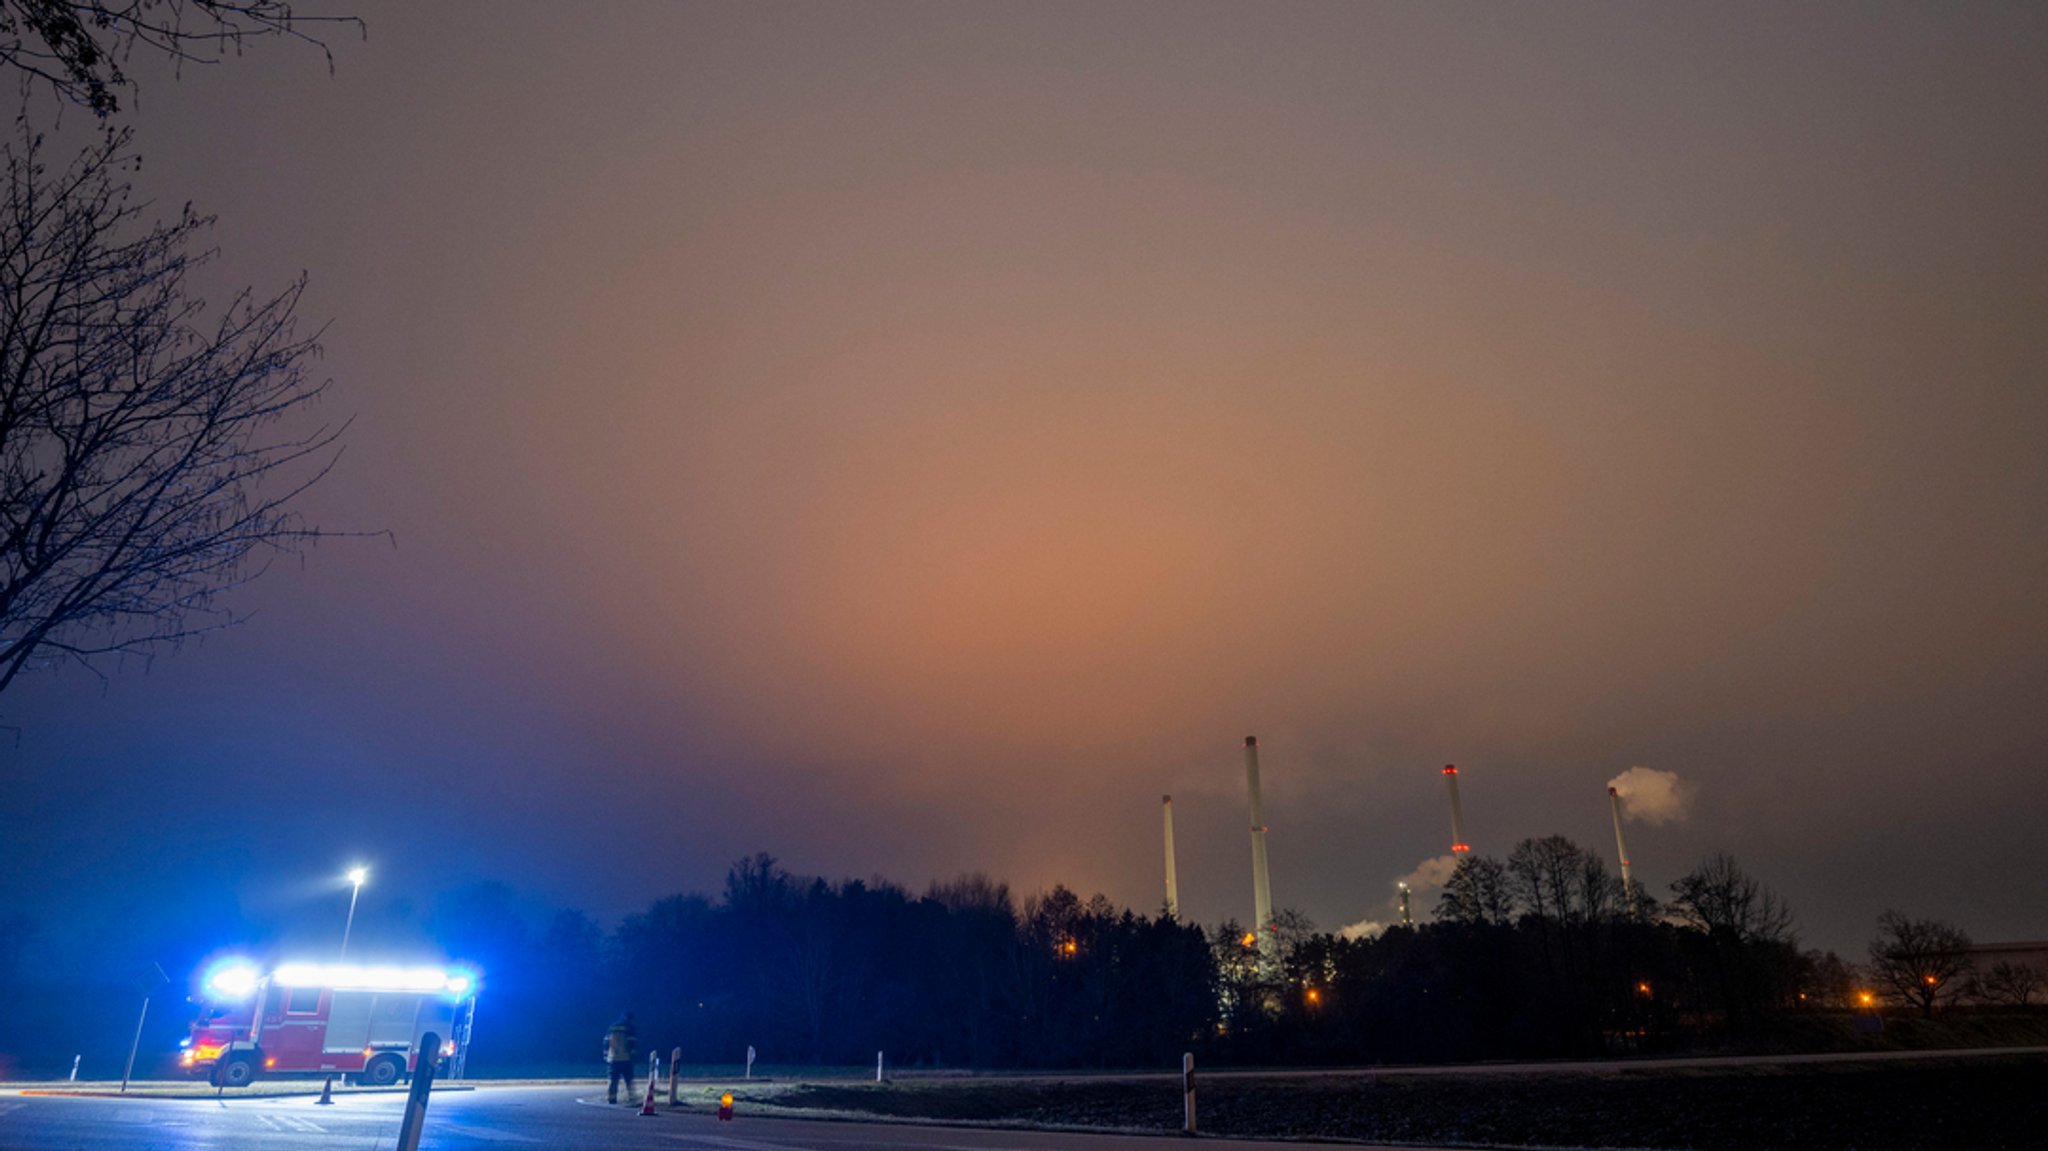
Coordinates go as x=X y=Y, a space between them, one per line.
x=703 y=1140
x=493 y=1134
x=741 y=1143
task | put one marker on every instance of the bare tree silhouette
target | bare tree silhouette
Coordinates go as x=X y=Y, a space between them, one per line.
x=150 y=452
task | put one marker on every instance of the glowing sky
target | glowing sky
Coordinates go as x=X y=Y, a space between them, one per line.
x=910 y=439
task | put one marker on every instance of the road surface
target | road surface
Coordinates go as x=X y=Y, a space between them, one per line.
x=489 y=1117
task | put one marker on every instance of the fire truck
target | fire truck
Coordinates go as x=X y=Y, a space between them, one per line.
x=362 y=1022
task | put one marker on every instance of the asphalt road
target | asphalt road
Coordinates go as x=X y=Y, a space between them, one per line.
x=566 y=1118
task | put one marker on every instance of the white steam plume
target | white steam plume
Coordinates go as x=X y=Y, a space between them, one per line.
x=1429 y=875
x=1650 y=796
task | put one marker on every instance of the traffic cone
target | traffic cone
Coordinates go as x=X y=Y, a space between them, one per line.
x=725 y=1108
x=647 y=1108
x=326 y=1093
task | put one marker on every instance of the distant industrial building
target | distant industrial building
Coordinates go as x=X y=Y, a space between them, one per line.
x=1985 y=956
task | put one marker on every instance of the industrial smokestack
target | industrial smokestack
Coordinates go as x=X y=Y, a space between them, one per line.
x=1262 y=891
x=1406 y=920
x=1458 y=843
x=1172 y=886
x=1621 y=845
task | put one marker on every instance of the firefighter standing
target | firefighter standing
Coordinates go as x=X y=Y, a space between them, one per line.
x=621 y=1044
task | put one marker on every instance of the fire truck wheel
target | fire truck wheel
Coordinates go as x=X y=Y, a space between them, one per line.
x=237 y=1072
x=382 y=1071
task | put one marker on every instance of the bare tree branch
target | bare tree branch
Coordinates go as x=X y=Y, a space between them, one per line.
x=78 y=47
x=145 y=461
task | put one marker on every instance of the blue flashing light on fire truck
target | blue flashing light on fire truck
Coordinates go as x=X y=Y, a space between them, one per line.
x=363 y=1022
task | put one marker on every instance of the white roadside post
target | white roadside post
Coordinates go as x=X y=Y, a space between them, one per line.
x=750 y=1061
x=1187 y=1088
x=878 y=1067
x=675 y=1061
x=427 y=1054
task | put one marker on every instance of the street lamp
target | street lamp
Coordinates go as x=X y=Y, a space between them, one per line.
x=356 y=875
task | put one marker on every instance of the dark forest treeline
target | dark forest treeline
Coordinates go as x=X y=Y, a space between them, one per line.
x=1541 y=954
x=809 y=971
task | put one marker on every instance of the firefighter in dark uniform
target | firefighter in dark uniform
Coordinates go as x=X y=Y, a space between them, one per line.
x=621 y=1044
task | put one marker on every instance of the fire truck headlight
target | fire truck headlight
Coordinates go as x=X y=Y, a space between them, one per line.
x=458 y=984
x=448 y=1048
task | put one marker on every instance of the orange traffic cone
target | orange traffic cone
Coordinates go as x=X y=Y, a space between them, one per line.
x=326 y=1093
x=647 y=1108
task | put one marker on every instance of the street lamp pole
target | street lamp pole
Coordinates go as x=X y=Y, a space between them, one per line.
x=356 y=875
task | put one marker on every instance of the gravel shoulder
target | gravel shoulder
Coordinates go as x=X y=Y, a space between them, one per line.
x=1987 y=1103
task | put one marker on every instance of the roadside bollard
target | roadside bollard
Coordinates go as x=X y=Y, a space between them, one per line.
x=74 y=1067
x=675 y=1060
x=878 y=1067
x=416 y=1100
x=1187 y=1088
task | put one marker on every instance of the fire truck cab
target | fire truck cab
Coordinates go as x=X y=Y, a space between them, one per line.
x=363 y=1022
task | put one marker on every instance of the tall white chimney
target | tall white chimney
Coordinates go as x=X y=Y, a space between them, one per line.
x=1458 y=844
x=1262 y=891
x=1621 y=845
x=1172 y=885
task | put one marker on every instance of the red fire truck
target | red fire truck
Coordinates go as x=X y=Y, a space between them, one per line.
x=363 y=1022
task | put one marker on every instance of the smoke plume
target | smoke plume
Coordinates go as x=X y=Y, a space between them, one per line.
x=1363 y=929
x=1429 y=875
x=1650 y=796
